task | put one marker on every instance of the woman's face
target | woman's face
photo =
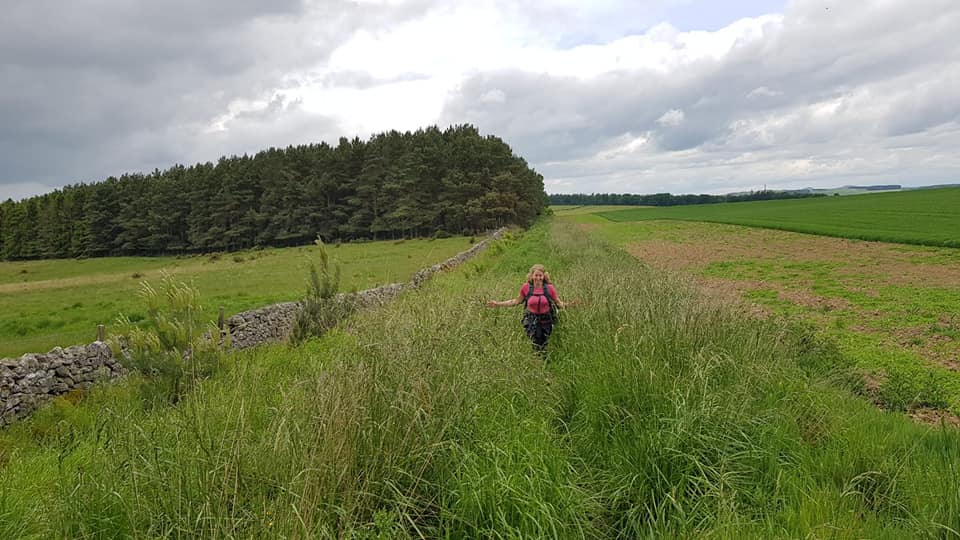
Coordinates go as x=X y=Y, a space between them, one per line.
x=538 y=275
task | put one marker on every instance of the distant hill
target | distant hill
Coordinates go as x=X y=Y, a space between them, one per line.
x=854 y=190
x=935 y=186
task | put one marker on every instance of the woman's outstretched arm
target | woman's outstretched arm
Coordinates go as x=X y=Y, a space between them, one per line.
x=505 y=303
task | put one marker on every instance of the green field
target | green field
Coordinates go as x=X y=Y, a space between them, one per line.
x=659 y=414
x=51 y=303
x=576 y=210
x=924 y=217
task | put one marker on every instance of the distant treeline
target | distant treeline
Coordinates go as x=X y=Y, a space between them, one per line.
x=394 y=185
x=883 y=187
x=666 y=199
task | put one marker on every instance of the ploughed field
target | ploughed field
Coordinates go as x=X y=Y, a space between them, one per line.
x=893 y=308
x=51 y=303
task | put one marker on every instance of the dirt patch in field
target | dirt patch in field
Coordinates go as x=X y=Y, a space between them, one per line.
x=892 y=263
x=872 y=384
x=935 y=417
x=859 y=267
x=730 y=292
x=936 y=347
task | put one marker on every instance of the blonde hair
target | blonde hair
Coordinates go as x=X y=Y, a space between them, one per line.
x=534 y=268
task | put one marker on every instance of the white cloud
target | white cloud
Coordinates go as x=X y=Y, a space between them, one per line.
x=671 y=118
x=494 y=96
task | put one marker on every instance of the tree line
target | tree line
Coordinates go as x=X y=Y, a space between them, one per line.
x=429 y=182
x=666 y=199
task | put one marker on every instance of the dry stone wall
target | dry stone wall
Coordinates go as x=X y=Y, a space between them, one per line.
x=33 y=379
x=275 y=322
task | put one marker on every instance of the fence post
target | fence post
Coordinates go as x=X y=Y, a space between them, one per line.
x=220 y=321
x=100 y=332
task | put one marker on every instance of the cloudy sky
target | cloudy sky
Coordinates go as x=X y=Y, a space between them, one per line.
x=684 y=96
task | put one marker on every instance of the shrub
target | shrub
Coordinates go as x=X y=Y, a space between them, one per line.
x=321 y=308
x=171 y=346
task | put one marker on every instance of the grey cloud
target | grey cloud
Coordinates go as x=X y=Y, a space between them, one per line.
x=133 y=38
x=93 y=89
x=553 y=116
x=926 y=106
x=280 y=125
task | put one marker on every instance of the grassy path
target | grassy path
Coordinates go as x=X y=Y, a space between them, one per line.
x=657 y=415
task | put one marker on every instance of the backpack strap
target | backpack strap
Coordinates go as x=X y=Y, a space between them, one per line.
x=546 y=293
x=553 y=307
x=526 y=299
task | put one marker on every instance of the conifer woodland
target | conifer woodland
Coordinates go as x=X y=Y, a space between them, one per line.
x=429 y=182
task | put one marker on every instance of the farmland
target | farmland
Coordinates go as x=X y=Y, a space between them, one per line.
x=925 y=217
x=59 y=302
x=660 y=412
x=894 y=309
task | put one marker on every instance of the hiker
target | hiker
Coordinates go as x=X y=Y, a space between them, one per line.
x=540 y=302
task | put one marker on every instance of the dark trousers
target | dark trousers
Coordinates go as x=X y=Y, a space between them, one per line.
x=538 y=328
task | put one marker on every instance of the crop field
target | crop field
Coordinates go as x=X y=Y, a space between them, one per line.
x=48 y=303
x=892 y=308
x=924 y=217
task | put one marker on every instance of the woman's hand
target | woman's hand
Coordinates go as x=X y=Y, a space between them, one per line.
x=493 y=303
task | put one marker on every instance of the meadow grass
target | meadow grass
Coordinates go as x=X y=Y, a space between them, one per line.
x=925 y=217
x=60 y=302
x=656 y=414
x=906 y=379
x=869 y=312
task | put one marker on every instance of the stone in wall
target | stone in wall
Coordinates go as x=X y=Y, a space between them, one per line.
x=269 y=323
x=33 y=379
x=275 y=322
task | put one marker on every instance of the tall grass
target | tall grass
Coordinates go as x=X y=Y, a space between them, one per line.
x=655 y=415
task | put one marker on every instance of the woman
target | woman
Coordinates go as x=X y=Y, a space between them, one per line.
x=539 y=296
